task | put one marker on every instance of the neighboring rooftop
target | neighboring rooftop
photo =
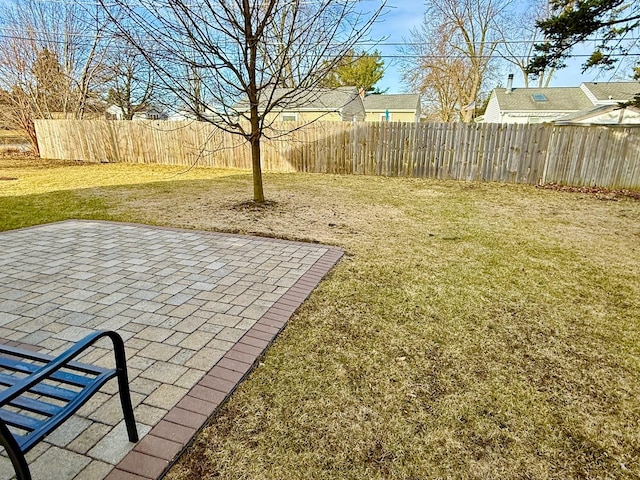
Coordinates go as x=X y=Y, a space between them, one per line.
x=611 y=114
x=535 y=105
x=400 y=101
x=317 y=99
x=569 y=99
x=612 y=91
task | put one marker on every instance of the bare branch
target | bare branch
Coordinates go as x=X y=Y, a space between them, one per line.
x=239 y=52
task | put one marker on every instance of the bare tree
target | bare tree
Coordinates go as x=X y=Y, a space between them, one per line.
x=441 y=75
x=88 y=51
x=456 y=42
x=33 y=82
x=130 y=81
x=50 y=57
x=519 y=37
x=240 y=51
x=19 y=112
x=279 y=31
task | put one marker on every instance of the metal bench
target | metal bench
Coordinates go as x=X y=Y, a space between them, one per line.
x=41 y=392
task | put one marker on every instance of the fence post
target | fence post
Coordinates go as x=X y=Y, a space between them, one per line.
x=546 y=157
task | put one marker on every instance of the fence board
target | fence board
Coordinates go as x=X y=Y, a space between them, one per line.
x=594 y=156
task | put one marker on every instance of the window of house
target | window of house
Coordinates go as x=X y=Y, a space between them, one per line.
x=539 y=97
x=385 y=117
x=289 y=117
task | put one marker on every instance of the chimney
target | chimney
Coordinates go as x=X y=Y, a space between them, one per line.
x=510 y=83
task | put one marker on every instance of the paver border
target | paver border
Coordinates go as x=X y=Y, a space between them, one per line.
x=158 y=450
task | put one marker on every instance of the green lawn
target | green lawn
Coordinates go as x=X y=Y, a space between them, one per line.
x=470 y=331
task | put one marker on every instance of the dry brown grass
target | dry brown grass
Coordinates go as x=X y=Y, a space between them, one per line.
x=471 y=331
x=12 y=136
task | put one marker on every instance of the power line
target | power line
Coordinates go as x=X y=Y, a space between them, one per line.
x=49 y=37
x=19 y=32
x=496 y=54
x=384 y=56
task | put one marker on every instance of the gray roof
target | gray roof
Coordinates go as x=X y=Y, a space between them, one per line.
x=317 y=99
x=383 y=101
x=320 y=98
x=589 y=112
x=344 y=100
x=559 y=99
x=618 y=91
x=330 y=99
x=593 y=112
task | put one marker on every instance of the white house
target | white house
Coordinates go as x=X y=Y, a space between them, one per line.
x=181 y=116
x=610 y=93
x=536 y=105
x=603 y=115
x=116 y=113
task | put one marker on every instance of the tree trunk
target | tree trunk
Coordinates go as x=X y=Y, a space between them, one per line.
x=258 y=192
x=29 y=127
x=24 y=118
x=252 y=94
x=256 y=168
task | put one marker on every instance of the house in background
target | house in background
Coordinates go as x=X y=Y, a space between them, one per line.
x=392 y=107
x=152 y=113
x=537 y=105
x=116 y=113
x=610 y=93
x=181 y=116
x=113 y=112
x=603 y=115
x=188 y=115
x=342 y=104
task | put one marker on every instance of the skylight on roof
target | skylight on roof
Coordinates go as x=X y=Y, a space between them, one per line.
x=539 y=97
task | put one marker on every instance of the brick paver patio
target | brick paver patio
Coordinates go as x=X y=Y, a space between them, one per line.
x=196 y=309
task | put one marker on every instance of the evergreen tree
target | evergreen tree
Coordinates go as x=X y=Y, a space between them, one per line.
x=362 y=70
x=574 y=21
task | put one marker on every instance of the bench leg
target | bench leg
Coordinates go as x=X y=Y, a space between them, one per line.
x=127 y=408
x=123 y=387
x=15 y=454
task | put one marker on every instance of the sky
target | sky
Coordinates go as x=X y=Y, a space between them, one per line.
x=402 y=15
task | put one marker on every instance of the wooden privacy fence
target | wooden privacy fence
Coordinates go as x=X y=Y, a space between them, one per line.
x=533 y=154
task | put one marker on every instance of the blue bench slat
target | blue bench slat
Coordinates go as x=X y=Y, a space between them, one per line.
x=28 y=368
x=36 y=406
x=42 y=388
x=39 y=427
x=50 y=424
x=44 y=359
x=21 y=421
